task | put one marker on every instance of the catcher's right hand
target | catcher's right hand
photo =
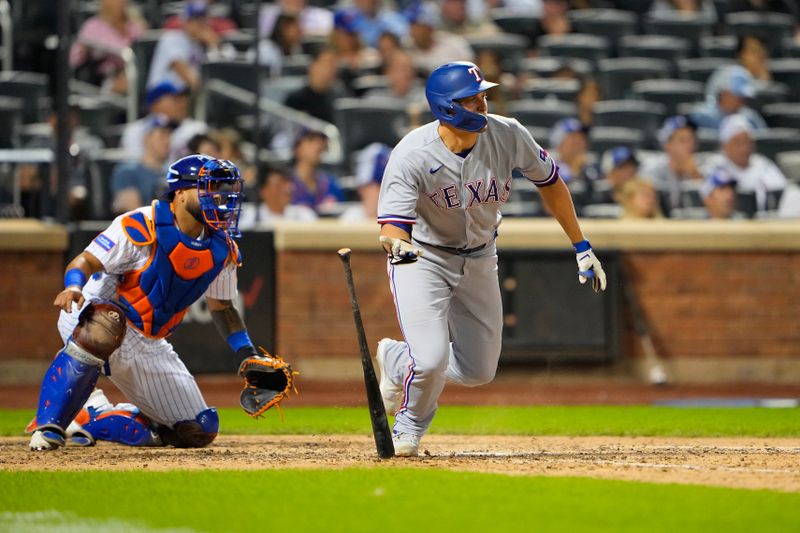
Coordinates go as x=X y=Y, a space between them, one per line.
x=267 y=381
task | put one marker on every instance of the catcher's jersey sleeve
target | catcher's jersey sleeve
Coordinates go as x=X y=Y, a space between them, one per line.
x=115 y=251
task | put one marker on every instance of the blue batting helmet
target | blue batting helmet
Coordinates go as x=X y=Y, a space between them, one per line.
x=451 y=82
x=219 y=187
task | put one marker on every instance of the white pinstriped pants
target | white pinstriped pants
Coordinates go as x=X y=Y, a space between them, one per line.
x=150 y=375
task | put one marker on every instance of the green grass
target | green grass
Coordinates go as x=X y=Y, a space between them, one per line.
x=381 y=500
x=594 y=420
x=391 y=498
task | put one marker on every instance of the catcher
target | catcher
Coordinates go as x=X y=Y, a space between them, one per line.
x=125 y=293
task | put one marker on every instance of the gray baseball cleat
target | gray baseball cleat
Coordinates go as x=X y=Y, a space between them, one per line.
x=391 y=393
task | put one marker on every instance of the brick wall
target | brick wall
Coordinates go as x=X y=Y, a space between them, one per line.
x=314 y=316
x=28 y=318
x=698 y=305
x=721 y=304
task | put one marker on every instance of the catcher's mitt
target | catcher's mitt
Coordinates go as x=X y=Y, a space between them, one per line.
x=267 y=381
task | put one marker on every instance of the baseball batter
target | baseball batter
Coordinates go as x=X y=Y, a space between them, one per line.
x=124 y=294
x=448 y=180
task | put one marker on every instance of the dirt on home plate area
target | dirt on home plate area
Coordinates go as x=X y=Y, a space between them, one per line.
x=755 y=463
x=747 y=462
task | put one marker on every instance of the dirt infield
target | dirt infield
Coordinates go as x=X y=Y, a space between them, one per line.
x=754 y=463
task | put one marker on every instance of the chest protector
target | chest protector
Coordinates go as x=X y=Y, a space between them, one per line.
x=178 y=272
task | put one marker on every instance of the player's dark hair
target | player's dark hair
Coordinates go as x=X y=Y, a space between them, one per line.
x=743 y=39
x=266 y=170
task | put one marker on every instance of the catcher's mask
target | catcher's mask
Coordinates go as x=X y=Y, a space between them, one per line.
x=219 y=189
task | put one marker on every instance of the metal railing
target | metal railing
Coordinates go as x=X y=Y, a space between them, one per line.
x=6 y=27
x=23 y=156
x=296 y=118
x=131 y=72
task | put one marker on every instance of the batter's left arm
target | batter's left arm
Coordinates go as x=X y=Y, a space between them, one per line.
x=231 y=326
x=558 y=201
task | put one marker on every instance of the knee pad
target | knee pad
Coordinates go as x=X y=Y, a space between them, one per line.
x=101 y=328
x=196 y=433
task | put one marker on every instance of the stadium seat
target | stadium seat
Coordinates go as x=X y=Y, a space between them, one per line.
x=311 y=44
x=616 y=75
x=789 y=163
x=590 y=47
x=143 y=49
x=295 y=65
x=773 y=27
x=239 y=73
x=32 y=88
x=787 y=71
x=543 y=88
x=241 y=41
x=690 y=194
x=707 y=140
x=10 y=121
x=101 y=167
x=112 y=135
x=790 y=48
x=636 y=114
x=546 y=67
x=782 y=115
x=723 y=46
x=540 y=135
x=98 y=114
x=603 y=138
x=512 y=20
x=509 y=48
x=678 y=24
x=772 y=141
x=278 y=89
x=610 y=23
x=768 y=92
x=657 y=46
x=670 y=93
x=365 y=121
x=746 y=203
x=541 y=113
x=700 y=68
x=605 y=210
x=640 y=7
x=362 y=84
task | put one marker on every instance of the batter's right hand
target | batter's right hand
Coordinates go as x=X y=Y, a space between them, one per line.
x=67 y=297
x=400 y=251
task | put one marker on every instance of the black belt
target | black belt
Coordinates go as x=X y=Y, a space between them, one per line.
x=452 y=250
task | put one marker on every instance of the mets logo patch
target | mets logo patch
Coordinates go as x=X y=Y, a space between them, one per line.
x=104 y=242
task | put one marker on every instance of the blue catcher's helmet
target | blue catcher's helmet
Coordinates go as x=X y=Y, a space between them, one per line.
x=219 y=189
x=451 y=82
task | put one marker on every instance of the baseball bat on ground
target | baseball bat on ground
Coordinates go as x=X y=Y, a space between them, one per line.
x=380 y=425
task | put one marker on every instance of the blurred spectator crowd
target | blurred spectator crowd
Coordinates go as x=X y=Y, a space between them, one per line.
x=685 y=109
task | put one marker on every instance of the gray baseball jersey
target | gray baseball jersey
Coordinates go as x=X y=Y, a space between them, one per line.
x=455 y=201
x=448 y=301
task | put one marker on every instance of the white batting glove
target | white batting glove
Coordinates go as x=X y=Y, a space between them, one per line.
x=589 y=266
x=400 y=251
